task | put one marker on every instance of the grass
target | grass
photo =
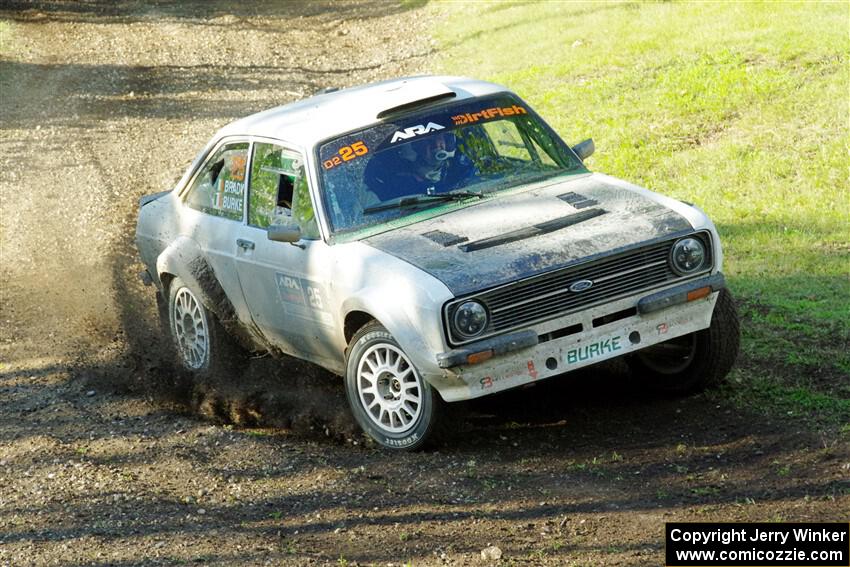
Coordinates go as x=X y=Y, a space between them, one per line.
x=740 y=108
x=5 y=37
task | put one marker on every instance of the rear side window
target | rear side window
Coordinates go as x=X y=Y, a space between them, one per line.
x=219 y=188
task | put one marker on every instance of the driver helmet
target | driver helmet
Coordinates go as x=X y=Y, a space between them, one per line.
x=429 y=156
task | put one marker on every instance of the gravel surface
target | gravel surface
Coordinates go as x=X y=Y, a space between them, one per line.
x=107 y=457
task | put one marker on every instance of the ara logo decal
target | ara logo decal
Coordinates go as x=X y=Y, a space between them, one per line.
x=417 y=130
x=580 y=286
x=289 y=282
x=290 y=290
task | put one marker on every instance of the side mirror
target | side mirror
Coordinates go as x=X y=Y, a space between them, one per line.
x=288 y=232
x=584 y=149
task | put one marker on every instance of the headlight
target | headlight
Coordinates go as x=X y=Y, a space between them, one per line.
x=688 y=256
x=470 y=319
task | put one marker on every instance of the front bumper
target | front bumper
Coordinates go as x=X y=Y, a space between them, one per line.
x=578 y=340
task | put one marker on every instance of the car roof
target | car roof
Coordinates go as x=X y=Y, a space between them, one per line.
x=319 y=117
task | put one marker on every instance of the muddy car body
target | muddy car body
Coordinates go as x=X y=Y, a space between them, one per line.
x=432 y=240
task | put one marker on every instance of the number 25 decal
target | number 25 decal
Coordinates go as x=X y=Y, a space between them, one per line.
x=315 y=298
x=346 y=153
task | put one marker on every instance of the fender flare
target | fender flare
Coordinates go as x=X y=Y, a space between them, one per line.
x=184 y=259
x=176 y=260
x=399 y=324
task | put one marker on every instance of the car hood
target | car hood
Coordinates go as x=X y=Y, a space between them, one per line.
x=545 y=227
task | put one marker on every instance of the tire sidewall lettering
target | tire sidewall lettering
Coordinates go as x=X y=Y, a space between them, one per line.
x=404 y=442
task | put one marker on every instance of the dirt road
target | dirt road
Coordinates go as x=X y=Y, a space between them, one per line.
x=106 y=458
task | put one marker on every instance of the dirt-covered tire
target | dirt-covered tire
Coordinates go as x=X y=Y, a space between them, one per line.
x=696 y=361
x=391 y=402
x=201 y=345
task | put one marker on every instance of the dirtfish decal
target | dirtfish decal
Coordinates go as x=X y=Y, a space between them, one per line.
x=417 y=130
x=593 y=350
x=488 y=114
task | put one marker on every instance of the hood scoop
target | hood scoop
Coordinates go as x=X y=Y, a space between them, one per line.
x=444 y=239
x=577 y=201
x=534 y=230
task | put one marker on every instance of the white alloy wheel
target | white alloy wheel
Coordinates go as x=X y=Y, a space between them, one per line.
x=191 y=329
x=389 y=388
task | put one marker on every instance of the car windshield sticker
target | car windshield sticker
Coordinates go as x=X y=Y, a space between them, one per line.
x=230 y=188
x=229 y=196
x=237 y=167
x=488 y=114
x=346 y=153
x=417 y=130
x=439 y=149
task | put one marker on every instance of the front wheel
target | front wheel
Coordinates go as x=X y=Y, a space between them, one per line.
x=693 y=362
x=389 y=399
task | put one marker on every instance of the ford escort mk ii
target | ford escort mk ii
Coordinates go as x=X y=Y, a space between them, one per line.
x=432 y=240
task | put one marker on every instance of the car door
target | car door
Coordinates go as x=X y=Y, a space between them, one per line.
x=213 y=213
x=286 y=285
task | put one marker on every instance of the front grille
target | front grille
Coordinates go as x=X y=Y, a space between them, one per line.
x=548 y=295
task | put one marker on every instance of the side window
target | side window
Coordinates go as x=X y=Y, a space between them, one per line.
x=543 y=155
x=507 y=140
x=302 y=209
x=510 y=143
x=219 y=188
x=279 y=190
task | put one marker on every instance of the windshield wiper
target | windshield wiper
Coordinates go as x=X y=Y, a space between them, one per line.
x=420 y=199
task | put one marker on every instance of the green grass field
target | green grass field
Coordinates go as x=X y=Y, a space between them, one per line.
x=740 y=108
x=4 y=37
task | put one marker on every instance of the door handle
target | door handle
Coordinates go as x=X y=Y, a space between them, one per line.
x=246 y=244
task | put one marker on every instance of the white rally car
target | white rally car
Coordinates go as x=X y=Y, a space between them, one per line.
x=430 y=239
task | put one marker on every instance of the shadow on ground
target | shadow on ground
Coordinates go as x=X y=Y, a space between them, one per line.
x=552 y=457
x=198 y=12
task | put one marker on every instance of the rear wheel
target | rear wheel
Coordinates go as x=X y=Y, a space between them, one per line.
x=389 y=399
x=695 y=361
x=202 y=346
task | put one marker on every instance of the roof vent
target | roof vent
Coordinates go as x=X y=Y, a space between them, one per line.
x=412 y=95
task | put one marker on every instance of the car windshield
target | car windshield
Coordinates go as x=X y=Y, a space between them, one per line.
x=452 y=154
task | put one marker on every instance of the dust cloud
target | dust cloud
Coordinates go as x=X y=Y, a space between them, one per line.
x=104 y=105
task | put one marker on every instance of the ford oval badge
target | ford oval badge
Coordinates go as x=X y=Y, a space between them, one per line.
x=580 y=285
